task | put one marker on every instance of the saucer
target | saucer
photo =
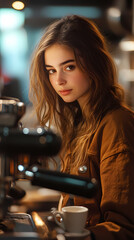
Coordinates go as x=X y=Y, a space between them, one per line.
x=69 y=235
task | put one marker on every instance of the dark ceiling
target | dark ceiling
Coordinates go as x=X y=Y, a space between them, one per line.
x=32 y=3
x=113 y=28
x=100 y=3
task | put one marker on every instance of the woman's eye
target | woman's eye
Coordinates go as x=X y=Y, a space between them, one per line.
x=50 y=71
x=70 y=67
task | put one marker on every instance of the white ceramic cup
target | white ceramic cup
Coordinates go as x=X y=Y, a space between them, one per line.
x=72 y=218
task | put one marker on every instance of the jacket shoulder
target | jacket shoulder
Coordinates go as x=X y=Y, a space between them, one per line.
x=114 y=134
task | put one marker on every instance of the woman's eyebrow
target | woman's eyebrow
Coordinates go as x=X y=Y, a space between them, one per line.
x=68 y=61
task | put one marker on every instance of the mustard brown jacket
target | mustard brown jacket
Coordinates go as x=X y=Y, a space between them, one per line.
x=111 y=162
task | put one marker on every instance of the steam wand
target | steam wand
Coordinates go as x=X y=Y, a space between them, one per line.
x=63 y=182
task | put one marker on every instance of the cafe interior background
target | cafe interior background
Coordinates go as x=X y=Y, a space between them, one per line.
x=20 y=31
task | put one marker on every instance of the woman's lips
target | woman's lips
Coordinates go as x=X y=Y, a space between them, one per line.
x=65 y=92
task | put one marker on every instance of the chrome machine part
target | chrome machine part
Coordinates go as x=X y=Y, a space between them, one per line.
x=11 y=110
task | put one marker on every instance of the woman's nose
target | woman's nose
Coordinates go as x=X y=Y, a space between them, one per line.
x=60 y=78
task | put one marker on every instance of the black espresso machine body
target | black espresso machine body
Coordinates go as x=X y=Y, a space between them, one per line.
x=27 y=148
x=20 y=147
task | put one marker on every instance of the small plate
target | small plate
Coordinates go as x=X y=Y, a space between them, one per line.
x=77 y=235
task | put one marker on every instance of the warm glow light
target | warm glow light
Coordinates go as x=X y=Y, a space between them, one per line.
x=114 y=12
x=37 y=219
x=127 y=43
x=127 y=46
x=18 y=5
x=41 y=226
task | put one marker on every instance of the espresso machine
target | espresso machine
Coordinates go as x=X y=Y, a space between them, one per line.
x=21 y=152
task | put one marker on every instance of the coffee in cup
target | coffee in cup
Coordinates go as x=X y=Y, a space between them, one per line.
x=72 y=218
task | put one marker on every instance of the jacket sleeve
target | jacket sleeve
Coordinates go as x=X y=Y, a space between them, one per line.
x=117 y=180
x=117 y=203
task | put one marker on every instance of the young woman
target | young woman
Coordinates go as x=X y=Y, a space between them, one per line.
x=73 y=85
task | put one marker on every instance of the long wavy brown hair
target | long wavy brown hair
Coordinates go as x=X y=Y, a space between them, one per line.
x=75 y=125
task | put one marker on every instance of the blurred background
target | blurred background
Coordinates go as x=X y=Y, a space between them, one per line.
x=22 y=26
x=20 y=31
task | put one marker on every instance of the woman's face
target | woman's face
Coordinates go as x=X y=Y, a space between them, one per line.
x=68 y=80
